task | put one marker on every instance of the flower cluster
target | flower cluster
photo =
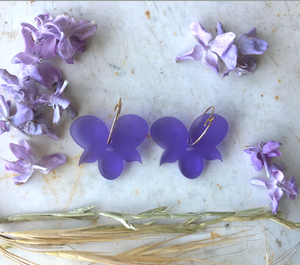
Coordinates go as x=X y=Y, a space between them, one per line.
x=27 y=165
x=237 y=57
x=276 y=183
x=40 y=83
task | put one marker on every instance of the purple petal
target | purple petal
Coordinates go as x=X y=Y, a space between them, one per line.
x=252 y=33
x=91 y=134
x=8 y=78
x=199 y=32
x=194 y=54
x=257 y=161
x=251 y=148
x=17 y=167
x=43 y=73
x=276 y=166
x=290 y=187
x=22 y=178
x=270 y=147
x=191 y=164
x=48 y=48
x=258 y=182
x=23 y=115
x=4 y=107
x=77 y=44
x=52 y=161
x=220 y=28
x=277 y=175
x=171 y=135
x=3 y=127
x=64 y=47
x=210 y=59
x=276 y=196
x=30 y=90
x=249 y=45
x=32 y=49
x=110 y=165
x=221 y=43
x=22 y=151
x=230 y=57
x=129 y=132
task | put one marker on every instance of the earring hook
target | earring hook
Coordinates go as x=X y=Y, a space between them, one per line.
x=210 y=120
x=119 y=106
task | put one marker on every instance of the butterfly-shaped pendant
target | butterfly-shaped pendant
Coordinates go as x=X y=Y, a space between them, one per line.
x=91 y=134
x=171 y=135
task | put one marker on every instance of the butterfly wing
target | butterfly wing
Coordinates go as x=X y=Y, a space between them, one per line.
x=206 y=146
x=129 y=132
x=91 y=134
x=171 y=135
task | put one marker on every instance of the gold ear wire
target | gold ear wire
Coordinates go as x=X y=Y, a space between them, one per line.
x=210 y=120
x=119 y=106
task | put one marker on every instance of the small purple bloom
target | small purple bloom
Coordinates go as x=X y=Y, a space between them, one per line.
x=261 y=153
x=72 y=35
x=210 y=50
x=22 y=115
x=245 y=65
x=39 y=125
x=27 y=165
x=277 y=184
x=57 y=102
x=27 y=91
x=35 y=52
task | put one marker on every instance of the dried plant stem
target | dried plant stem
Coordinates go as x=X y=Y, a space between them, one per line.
x=161 y=213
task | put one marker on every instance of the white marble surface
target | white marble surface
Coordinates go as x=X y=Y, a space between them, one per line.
x=131 y=55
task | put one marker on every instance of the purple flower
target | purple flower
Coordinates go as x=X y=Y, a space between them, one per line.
x=35 y=52
x=277 y=184
x=39 y=125
x=260 y=154
x=32 y=60
x=247 y=43
x=72 y=35
x=27 y=165
x=57 y=102
x=22 y=115
x=27 y=91
x=210 y=50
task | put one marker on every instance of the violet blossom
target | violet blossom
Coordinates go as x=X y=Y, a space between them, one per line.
x=27 y=165
x=208 y=50
x=32 y=60
x=247 y=44
x=260 y=154
x=39 y=125
x=57 y=102
x=22 y=115
x=277 y=184
x=26 y=91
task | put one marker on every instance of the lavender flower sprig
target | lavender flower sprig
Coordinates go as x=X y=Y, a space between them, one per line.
x=26 y=164
x=276 y=183
x=237 y=58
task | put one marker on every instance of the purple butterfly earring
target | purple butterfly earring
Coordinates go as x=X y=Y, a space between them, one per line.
x=190 y=147
x=109 y=148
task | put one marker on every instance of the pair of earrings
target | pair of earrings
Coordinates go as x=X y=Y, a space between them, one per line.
x=189 y=148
